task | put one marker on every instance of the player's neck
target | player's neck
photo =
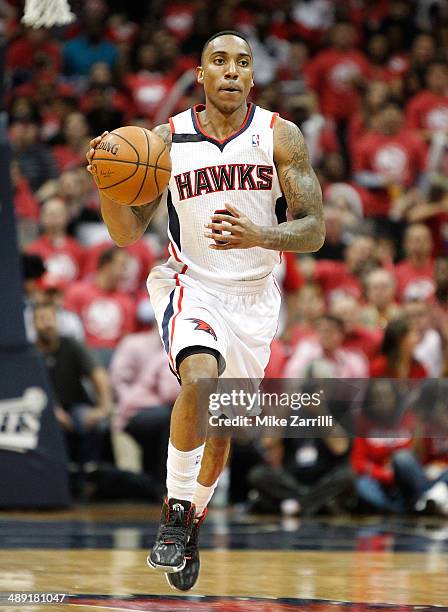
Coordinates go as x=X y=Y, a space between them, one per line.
x=221 y=125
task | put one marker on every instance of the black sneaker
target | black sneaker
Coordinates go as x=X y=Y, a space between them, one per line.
x=187 y=577
x=176 y=523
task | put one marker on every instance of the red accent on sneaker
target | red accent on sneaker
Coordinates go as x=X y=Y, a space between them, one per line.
x=200 y=519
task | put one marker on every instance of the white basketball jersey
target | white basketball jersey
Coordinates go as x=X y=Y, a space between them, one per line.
x=206 y=174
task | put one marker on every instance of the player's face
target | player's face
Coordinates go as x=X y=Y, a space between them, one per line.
x=226 y=72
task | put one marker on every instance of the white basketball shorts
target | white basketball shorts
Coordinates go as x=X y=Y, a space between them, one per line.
x=238 y=323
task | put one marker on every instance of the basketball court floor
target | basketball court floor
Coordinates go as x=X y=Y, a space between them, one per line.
x=95 y=555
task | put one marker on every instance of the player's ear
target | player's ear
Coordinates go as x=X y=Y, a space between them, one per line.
x=200 y=75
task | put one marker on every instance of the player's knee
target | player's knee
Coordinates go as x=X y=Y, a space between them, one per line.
x=199 y=368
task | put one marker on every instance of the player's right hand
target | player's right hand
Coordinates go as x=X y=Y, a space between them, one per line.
x=89 y=155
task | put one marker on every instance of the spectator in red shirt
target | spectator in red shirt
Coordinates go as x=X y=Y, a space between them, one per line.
x=107 y=313
x=427 y=111
x=292 y=73
x=310 y=308
x=390 y=477
x=337 y=277
x=387 y=161
x=150 y=84
x=380 y=307
x=75 y=134
x=365 y=119
x=335 y=241
x=396 y=359
x=383 y=66
x=324 y=356
x=32 y=51
x=435 y=215
x=415 y=274
x=63 y=255
x=357 y=338
x=139 y=263
x=429 y=348
x=336 y=74
x=423 y=52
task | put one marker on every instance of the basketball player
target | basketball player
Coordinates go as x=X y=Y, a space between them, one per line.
x=215 y=300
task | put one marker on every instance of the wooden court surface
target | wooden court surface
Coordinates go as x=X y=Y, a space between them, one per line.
x=396 y=566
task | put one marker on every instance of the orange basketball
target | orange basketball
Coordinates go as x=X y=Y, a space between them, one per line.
x=131 y=166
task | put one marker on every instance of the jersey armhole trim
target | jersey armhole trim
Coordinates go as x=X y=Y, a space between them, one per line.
x=172 y=128
x=274 y=117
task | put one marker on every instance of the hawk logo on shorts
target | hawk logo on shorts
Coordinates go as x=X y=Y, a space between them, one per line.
x=203 y=326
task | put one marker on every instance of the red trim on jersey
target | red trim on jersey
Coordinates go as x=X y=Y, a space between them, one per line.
x=274 y=117
x=171 y=125
x=174 y=254
x=242 y=126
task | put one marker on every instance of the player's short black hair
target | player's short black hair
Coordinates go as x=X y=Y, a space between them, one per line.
x=225 y=33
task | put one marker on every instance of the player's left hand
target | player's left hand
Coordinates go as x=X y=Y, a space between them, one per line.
x=241 y=232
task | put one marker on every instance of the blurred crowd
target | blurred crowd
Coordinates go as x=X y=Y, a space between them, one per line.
x=367 y=83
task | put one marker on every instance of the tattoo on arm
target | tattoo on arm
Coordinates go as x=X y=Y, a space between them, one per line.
x=145 y=212
x=302 y=191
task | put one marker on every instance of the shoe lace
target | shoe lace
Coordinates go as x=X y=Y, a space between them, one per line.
x=174 y=530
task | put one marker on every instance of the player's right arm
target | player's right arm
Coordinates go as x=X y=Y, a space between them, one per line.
x=126 y=224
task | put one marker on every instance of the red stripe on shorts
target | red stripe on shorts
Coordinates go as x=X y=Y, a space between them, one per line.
x=173 y=323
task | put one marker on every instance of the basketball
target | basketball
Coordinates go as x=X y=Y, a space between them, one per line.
x=131 y=166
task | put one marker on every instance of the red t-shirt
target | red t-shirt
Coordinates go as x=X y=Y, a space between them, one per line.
x=299 y=333
x=414 y=283
x=66 y=157
x=373 y=450
x=179 y=19
x=141 y=260
x=329 y=75
x=402 y=155
x=334 y=277
x=63 y=258
x=22 y=54
x=427 y=111
x=25 y=204
x=107 y=316
x=149 y=90
x=379 y=368
x=363 y=340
